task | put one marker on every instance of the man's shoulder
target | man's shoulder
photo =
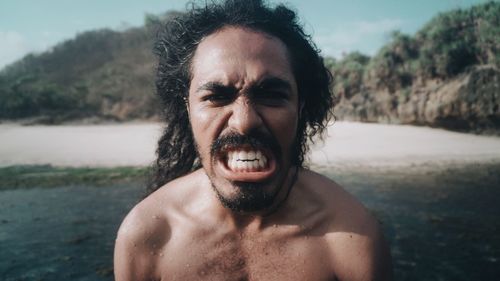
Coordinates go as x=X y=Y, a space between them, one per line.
x=153 y=213
x=147 y=229
x=339 y=211
x=353 y=233
x=330 y=195
x=145 y=221
x=143 y=232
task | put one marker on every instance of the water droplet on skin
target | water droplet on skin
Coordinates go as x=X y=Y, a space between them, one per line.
x=161 y=254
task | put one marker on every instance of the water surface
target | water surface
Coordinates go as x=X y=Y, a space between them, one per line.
x=442 y=225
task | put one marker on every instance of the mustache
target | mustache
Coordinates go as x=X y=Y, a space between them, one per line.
x=256 y=140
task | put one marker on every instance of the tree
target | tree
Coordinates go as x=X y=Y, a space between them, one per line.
x=348 y=74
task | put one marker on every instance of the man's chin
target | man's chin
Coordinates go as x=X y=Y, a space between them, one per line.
x=246 y=190
x=246 y=197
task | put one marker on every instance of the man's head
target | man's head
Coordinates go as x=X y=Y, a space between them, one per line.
x=243 y=110
x=237 y=79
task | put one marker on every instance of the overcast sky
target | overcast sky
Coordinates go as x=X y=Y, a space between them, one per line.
x=337 y=26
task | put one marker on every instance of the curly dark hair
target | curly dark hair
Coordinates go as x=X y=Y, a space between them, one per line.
x=175 y=46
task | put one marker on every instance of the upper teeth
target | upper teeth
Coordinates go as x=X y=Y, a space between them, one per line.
x=246 y=160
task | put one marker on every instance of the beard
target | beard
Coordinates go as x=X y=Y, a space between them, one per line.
x=246 y=196
x=249 y=197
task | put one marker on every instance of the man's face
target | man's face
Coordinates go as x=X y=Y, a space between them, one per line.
x=243 y=109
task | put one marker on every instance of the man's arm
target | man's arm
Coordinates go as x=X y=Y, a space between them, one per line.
x=361 y=252
x=357 y=247
x=135 y=243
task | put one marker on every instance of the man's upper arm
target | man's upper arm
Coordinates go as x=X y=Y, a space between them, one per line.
x=131 y=261
x=359 y=250
x=123 y=262
x=375 y=256
x=362 y=256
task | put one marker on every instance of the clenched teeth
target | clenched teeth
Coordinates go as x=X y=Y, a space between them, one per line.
x=246 y=161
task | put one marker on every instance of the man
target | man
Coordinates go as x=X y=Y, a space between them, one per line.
x=243 y=90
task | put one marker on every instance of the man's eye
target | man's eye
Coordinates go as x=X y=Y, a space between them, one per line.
x=217 y=98
x=271 y=97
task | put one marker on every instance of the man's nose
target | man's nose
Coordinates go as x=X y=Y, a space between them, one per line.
x=244 y=116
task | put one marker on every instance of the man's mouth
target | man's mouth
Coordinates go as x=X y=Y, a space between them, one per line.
x=246 y=165
x=246 y=158
x=246 y=161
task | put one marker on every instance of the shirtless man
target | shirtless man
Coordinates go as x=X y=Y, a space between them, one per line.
x=244 y=90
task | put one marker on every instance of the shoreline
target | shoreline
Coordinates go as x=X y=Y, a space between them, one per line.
x=47 y=176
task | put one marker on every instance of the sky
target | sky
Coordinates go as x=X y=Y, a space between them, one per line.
x=337 y=26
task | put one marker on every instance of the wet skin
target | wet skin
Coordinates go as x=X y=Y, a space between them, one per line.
x=313 y=230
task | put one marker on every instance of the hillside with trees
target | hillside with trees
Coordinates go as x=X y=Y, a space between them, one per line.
x=446 y=75
x=100 y=74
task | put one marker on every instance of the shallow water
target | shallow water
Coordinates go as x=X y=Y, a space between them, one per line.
x=62 y=233
x=441 y=225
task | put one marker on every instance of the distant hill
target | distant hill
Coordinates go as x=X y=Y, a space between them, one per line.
x=447 y=75
x=104 y=74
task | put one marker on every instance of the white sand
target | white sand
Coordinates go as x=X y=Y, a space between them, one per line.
x=347 y=144
x=402 y=145
x=80 y=145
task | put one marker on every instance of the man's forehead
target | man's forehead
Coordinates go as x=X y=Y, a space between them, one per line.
x=235 y=55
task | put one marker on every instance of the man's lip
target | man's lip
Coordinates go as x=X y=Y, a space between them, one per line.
x=253 y=176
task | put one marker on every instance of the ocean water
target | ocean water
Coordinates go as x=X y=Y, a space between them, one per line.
x=64 y=233
x=441 y=225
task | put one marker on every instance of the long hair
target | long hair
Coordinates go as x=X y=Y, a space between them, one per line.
x=175 y=47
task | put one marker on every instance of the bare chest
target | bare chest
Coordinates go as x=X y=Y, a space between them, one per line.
x=231 y=257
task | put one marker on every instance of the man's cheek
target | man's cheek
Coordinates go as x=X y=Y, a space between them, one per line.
x=199 y=117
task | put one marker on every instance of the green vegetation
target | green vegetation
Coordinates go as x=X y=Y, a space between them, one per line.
x=31 y=176
x=448 y=45
x=349 y=73
x=393 y=67
x=102 y=73
x=446 y=75
x=456 y=40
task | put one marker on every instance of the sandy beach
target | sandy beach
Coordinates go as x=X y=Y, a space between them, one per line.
x=346 y=144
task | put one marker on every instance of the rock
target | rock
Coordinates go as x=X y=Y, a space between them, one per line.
x=468 y=102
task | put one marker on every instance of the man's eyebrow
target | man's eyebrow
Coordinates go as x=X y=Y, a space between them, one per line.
x=273 y=83
x=216 y=87
x=267 y=83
